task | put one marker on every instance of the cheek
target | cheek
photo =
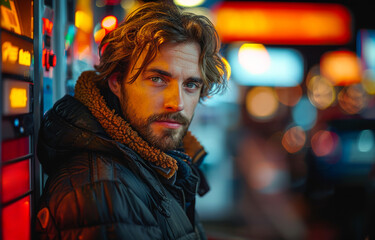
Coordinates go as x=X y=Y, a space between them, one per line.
x=191 y=105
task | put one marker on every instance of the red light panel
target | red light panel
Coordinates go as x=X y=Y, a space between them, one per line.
x=15 y=180
x=16 y=220
x=283 y=22
x=15 y=148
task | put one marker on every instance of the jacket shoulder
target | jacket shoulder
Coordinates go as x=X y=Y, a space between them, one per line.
x=91 y=196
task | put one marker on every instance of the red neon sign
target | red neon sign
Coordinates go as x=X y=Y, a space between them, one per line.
x=283 y=23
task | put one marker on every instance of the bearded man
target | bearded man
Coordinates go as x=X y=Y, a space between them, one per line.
x=120 y=159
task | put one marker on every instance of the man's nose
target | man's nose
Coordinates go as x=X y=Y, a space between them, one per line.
x=174 y=101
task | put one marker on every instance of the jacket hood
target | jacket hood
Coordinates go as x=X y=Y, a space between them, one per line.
x=86 y=122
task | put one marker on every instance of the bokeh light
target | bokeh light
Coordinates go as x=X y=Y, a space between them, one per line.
x=321 y=92
x=324 y=142
x=368 y=82
x=188 y=3
x=261 y=103
x=294 y=139
x=289 y=96
x=285 y=68
x=366 y=140
x=341 y=67
x=304 y=114
x=352 y=99
x=254 y=58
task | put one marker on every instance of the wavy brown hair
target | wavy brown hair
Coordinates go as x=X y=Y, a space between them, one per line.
x=146 y=29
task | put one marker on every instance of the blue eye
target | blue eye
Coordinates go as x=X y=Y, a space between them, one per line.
x=193 y=85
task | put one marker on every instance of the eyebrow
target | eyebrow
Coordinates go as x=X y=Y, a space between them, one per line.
x=168 y=74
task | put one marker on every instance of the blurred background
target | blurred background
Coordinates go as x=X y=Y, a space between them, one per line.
x=291 y=143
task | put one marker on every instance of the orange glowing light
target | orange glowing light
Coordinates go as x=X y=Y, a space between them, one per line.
x=294 y=139
x=341 y=67
x=289 y=96
x=352 y=99
x=283 y=23
x=99 y=35
x=261 y=103
x=9 y=52
x=109 y=23
x=18 y=98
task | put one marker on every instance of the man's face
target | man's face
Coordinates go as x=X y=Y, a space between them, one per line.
x=160 y=103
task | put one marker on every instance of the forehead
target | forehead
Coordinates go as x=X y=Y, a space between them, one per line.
x=174 y=53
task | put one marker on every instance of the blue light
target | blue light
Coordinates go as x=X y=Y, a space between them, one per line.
x=365 y=141
x=16 y=122
x=304 y=114
x=366 y=48
x=285 y=70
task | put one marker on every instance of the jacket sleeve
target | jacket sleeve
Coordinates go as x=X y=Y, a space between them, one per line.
x=99 y=210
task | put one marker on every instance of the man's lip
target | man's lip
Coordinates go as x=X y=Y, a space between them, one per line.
x=169 y=123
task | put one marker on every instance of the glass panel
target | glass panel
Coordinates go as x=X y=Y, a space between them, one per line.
x=15 y=180
x=16 y=220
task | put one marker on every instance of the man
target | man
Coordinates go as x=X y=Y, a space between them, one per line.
x=120 y=160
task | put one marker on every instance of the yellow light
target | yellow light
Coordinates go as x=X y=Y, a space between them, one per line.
x=109 y=23
x=254 y=58
x=321 y=92
x=24 y=57
x=10 y=52
x=82 y=21
x=18 y=97
x=189 y=3
x=99 y=35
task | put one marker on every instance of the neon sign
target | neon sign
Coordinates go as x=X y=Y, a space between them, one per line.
x=24 y=57
x=17 y=54
x=10 y=52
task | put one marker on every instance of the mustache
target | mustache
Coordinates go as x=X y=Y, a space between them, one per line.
x=178 y=117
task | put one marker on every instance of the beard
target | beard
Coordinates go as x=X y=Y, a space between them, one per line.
x=166 y=139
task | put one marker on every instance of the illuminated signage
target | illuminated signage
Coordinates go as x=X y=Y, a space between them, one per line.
x=16 y=97
x=283 y=23
x=17 y=54
x=260 y=66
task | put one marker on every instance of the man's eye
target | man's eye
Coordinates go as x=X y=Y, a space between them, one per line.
x=157 y=79
x=192 y=85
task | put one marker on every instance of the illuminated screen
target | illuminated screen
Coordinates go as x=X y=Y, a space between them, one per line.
x=283 y=67
x=17 y=16
x=16 y=97
x=17 y=54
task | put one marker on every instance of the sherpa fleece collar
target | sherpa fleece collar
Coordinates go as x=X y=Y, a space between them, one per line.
x=120 y=130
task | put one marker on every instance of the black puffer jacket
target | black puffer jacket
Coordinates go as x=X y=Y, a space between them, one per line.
x=99 y=188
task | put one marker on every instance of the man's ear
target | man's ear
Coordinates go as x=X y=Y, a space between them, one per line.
x=115 y=85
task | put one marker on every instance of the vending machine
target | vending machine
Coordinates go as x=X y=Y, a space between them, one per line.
x=21 y=91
